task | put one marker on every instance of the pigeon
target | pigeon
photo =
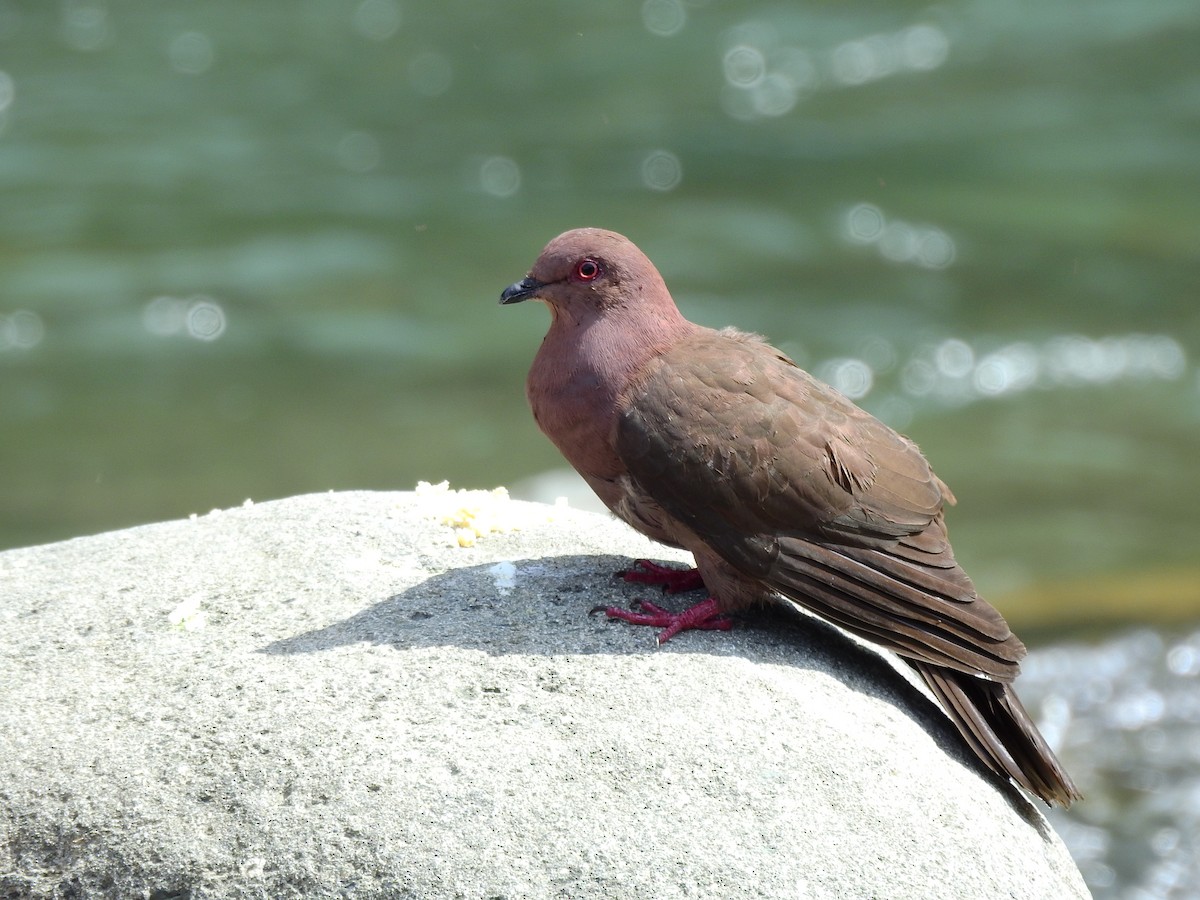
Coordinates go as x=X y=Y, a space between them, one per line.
x=782 y=489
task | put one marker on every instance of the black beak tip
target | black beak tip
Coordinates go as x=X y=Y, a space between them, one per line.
x=522 y=290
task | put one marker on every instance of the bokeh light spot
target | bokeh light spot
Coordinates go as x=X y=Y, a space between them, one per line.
x=918 y=48
x=923 y=47
x=878 y=352
x=853 y=63
x=1184 y=660
x=164 y=316
x=898 y=241
x=359 y=152
x=21 y=330
x=745 y=66
x=864 y=223
x=85 y=24
x=775 y=95
x=500 y=176
x=377 y=20
x=1164 y=356
x=763 y=83
x=191 y=53
x=205 y=319
x=662 y=170
x=797 y=66
x=664 y=17
x=430 y=73
x=935 y=249
x=200 y=317
x=954 y=358
x=853 y=377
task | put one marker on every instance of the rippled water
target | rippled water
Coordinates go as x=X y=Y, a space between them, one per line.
x=251 y=250
x=1126 y=713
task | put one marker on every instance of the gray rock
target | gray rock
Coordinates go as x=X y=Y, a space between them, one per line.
x=370 y=710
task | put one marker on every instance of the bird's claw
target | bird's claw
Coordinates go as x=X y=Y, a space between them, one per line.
x=672 y=580
x=705 y=616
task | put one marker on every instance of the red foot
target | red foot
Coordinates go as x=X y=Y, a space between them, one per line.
x=705 y=615
x=673 y=581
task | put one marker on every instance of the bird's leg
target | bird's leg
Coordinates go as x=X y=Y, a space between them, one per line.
x=673 y=580
x=705 y=615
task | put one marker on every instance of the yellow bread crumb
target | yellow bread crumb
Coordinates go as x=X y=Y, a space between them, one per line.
x=472 y=514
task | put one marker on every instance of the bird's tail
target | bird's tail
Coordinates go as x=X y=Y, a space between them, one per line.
x=994 y=723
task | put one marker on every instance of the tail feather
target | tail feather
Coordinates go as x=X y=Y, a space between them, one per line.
x=998 y=729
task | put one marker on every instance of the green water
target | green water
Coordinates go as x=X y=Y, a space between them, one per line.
x=251 y=250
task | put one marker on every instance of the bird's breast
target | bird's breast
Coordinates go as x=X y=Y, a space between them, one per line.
x=575 y=409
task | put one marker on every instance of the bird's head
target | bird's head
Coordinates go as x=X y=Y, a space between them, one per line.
x=589 y=273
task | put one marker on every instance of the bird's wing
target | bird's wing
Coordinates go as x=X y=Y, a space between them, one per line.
x=796 y=487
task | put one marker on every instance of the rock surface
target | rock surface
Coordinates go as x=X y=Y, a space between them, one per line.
x=328 y=696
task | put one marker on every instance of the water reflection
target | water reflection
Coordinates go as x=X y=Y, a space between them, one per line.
x=85 y=24
x=431 y=73
x=21 y=329
x=919 y=48
x=664 y=18
x=662 y=170
x=200 y=317
x=745 y=66
x=191 y=53
x=499 y=176
x=359 y=151
x=377 y=20
x=1133 y=708
x=952 y=372
x=756 y=88
x=205 y=319
x=897 y=240
x=853 y=377
x=766 y=78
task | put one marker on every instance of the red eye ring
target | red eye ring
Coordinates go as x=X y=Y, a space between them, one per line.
x=588 y=269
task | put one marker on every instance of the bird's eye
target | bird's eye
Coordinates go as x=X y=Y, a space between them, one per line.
x=587 y=270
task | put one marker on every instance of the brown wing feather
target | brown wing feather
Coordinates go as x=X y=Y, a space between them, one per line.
x=796 y=487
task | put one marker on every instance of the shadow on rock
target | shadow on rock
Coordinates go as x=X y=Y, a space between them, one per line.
x=543 y=608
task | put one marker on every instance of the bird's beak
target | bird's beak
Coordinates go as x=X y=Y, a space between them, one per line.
x=522 y=290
